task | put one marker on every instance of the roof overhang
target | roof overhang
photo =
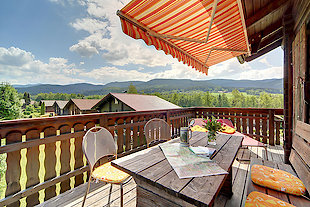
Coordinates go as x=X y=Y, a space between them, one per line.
x=200 y=33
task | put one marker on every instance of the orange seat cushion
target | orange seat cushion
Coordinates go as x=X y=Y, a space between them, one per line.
x=277 y=179
x=198 y=128
x=110 y=174
x=257 y=199
x=227 y=129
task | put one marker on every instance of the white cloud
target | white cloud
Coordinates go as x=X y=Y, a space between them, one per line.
x=106 y=37
x=264 y=61
x=14 y=56
x=28 y=70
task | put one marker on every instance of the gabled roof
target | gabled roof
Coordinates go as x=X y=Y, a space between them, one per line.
x=139 y=102
x=48 y=102
x=61 y=104
x=84 y=104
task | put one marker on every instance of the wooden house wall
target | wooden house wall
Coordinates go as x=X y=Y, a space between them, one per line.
x=299 y=74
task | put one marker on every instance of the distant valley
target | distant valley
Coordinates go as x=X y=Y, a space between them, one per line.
x=157 y=85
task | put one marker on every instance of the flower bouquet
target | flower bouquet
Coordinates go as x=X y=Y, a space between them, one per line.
x=213 y=126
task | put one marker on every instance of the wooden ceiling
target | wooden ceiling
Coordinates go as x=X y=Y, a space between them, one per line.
x=263 y=19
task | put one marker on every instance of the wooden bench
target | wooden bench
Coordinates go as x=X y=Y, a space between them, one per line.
x=300 y=160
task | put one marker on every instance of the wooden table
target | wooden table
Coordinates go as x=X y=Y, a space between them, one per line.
x=159 y=185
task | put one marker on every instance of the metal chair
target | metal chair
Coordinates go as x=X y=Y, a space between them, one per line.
x=98 y=143
x=156 y=130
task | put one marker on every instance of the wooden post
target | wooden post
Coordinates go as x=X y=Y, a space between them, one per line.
x=271 y=127
x=288 y=83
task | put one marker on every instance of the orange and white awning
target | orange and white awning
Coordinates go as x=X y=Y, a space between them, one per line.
x=200 y=33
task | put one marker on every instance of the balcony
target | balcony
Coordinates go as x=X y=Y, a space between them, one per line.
x=45 y=163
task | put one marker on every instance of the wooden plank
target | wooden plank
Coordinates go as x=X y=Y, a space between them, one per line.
x=250 y=126
x=32 y=143
x=264 y=131
x=257 y=126
x=198 y=190
x=142 y=140
x=120 y=136
x=135 y=137
x=250 y=185
x=302 y=148
x=128 y=135
x=32 y=167
x=78 y=153
x=13 y=169
x=301 y=168
x=50 y=163
x=238 y=124
x=277 y=132
x=271 y=127
x=303 y=130
x=244 y=124
x=41 y=186
x=65 y=157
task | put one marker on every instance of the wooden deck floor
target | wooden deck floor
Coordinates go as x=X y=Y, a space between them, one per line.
x=98 y=195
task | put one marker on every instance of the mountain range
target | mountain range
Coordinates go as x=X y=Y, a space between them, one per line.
x=157 y=85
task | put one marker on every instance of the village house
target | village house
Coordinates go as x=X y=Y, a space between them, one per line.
x=49 y=109
x=114 y=102
x=59 y=107
x=80 y=106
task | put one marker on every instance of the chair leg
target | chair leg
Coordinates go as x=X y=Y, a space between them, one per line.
x=88 y=185
x=109 y=199
x=122 y=201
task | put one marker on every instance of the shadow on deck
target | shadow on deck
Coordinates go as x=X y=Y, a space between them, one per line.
x=98 y=195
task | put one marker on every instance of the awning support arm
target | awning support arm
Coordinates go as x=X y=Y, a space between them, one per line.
x=211 y=21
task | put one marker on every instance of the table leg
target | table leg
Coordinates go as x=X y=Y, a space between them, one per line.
x=227 y=186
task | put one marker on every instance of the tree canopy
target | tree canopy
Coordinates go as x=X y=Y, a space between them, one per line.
x=132 y=89
x=10 y=104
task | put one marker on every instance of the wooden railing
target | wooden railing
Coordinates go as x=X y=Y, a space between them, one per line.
x=44 y=153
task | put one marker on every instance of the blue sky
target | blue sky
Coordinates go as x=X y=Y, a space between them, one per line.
x=72 y=41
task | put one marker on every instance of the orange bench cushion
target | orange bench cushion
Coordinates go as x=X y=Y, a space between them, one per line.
x=257 y=199
x=108 y=173
x=227 y=129
x=277 y=179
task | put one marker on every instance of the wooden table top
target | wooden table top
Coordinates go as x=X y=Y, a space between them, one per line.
x=151 y=166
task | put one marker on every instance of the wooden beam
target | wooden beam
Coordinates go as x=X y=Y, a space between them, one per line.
x=264 y=11
x=211 y=21
x=268 y=31
x=264 y=51
x=271 y=39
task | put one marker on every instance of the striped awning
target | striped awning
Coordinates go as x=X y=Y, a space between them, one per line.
x=200 y=33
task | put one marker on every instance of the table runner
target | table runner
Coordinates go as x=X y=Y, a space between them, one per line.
x=186 y=164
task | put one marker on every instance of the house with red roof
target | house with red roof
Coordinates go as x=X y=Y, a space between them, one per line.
x=80 y=106
x=114 y=102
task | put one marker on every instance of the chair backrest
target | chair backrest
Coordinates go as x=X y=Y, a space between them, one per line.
x=227 y=122
x=98 y=142
x=156 y=129
x=299 y=156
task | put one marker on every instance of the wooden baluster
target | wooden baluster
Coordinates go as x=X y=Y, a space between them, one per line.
x=78 y=153
x=120 y=136
x=251 y=131
x=50 y=163
x=264 y=129
x=232 y=119
x=65 y=157
x=244 y=123
x=271 y=127
x=278 y=132
x=13 y=169
x=142 y=140
x=32 y=167
x=128 y=135
x=135 y=138
x=238 y=122
x=257 y=127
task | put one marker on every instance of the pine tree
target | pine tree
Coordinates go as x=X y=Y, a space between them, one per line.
x=42 y=108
